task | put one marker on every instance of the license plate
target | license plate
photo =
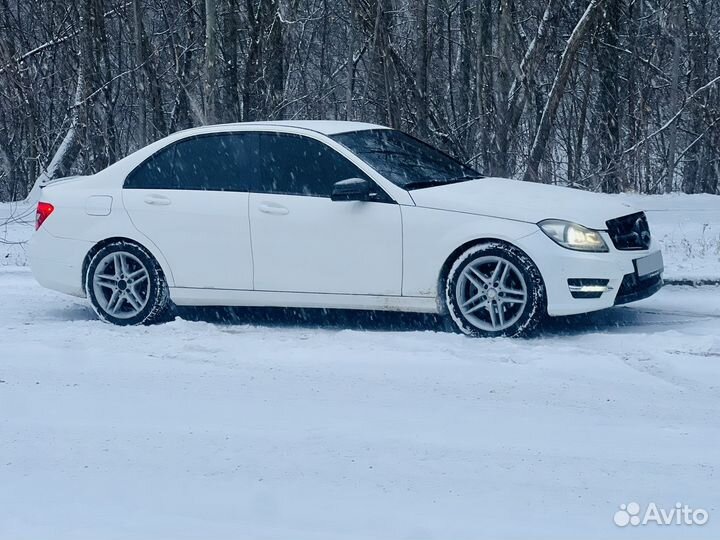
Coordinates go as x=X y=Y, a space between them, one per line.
x=650 y=265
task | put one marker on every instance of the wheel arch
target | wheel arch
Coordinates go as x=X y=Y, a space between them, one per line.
x=162 y=263
x=452 y=257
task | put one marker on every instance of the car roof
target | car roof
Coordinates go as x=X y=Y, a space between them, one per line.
x=326 y=127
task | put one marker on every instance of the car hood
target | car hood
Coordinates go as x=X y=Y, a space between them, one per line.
x=523 y=201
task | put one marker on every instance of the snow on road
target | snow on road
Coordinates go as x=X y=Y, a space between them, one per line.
x=203 y=429
x=360 y=426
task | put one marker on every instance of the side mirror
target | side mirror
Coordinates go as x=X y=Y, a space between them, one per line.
x=352 y=189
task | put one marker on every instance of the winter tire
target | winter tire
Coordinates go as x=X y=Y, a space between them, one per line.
x=126 y=286
x=494 y=289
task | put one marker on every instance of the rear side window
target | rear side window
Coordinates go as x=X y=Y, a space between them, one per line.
x=297 y=165
x=225 y=162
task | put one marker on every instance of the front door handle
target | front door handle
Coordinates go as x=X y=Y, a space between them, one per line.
x=270 y=208
x=157 y=200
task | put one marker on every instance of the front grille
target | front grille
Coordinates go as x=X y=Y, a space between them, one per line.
x=629 y=232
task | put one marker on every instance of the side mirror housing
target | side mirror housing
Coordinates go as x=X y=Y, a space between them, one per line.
x=352 y=189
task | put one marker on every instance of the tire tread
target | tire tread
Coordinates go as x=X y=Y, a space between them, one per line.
x=538 y=302
x=161 y=304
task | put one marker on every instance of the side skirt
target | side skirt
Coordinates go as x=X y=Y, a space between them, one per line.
x=183 y=296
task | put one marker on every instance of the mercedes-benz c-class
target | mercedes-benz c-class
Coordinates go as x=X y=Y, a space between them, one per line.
x=328 y=214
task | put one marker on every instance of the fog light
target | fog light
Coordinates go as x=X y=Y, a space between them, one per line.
x=588 y=288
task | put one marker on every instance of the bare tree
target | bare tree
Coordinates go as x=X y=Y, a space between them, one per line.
x=674 y=95
x=602 y=94
x=211 y=75
x=556 y=91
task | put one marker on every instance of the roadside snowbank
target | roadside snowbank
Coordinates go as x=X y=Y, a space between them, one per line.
x=688 y=228
x=17 y=222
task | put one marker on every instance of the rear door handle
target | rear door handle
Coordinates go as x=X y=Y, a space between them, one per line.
x=270 y=208
x=157 y=200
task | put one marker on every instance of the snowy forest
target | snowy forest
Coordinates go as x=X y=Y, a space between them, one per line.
x=607 y=95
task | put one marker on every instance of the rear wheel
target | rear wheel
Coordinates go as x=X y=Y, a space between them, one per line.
x=126 y=286
x=494 y=289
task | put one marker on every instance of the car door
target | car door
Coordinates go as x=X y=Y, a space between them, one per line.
x=304 y=242
x=191 y=200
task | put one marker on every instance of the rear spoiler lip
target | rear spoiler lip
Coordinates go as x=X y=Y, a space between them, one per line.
x=45 y=183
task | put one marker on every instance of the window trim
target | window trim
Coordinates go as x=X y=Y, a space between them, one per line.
x=423 y=143
x=330 y=143
x=174 y=143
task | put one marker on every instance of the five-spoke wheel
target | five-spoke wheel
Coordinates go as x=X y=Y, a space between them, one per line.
x=125 y=285
x=121 y=284
x=494 y=289
x=491 y=293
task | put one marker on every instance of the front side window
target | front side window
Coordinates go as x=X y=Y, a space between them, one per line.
x=297 y=165
x=404 y=160
x=222 y=162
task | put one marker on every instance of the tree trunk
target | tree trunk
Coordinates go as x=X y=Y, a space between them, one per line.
x=140 y=75
x=421 y=67
x=674 y=97
x=556 y=91
x=350 y=68
x=274 y=59
x=608 y=102
x=501 y=165
x=211 y=78
x=251 y=93
x=231 y=103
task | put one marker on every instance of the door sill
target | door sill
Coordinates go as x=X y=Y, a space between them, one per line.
x=185 y=296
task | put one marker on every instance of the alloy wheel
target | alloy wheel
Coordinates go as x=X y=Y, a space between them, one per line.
x=491 y=293
x=121 y=284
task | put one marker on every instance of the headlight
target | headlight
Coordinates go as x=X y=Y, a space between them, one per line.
x=573 y=236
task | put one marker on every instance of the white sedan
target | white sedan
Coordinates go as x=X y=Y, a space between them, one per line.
x=325 y=214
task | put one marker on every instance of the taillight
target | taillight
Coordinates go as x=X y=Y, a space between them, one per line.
x=44 y=210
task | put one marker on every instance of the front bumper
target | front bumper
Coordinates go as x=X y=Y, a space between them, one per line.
x=617 y=269
x=635 y=288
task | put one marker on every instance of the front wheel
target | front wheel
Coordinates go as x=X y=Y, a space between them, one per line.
x=494 y=289
x=126 y=286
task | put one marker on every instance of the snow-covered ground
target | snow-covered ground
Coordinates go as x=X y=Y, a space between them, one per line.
x=316 y=429
x=359 y=425
x=687 y=226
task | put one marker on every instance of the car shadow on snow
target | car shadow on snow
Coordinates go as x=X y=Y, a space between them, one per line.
x=75 y=312
x=616 y=320
x=315 y=318
x=598 y=321
x=620 y=319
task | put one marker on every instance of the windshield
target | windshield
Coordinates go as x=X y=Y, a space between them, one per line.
x=404 y=160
